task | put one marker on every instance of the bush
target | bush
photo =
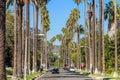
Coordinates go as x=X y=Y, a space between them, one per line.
x=9 y=71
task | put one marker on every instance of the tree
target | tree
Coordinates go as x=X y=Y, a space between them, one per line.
x=115 y=38
x=78 y=2
x=35 y=36
x=108 y=15
x=102 y=33
x=53 y=39
x=19 y=46
x=27 y=35
x=78 y=30
x=2 y=39
x=89 y=37
x=46 y=25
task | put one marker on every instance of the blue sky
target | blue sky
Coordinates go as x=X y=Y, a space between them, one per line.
x=59 y=11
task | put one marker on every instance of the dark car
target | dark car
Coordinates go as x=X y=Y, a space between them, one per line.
x=55 y=71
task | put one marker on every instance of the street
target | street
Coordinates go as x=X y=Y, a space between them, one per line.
x=64 y=75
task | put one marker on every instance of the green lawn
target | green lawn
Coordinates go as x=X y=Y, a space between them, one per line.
x=28 y=77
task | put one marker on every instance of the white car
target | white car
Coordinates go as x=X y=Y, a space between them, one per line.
x=72 y=69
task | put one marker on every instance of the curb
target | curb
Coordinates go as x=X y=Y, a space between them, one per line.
x=36 y=77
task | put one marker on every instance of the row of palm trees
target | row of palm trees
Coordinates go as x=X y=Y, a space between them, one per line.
x=91 y=56
x=19 y=33
x=67 y=44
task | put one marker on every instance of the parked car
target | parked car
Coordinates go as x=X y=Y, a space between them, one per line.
x=50 y=69
x=72 y=69
x=55 y=71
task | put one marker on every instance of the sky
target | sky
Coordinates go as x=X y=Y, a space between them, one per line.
x=59 y=11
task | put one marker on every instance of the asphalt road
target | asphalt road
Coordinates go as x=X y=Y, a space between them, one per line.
x=64 y=75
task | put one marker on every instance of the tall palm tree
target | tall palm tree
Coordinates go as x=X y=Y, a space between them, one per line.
x=35 y=37
x=73 y=18
x=19 y=46
x=109 y=15
x=100 y=38
x=115 y=38
x=15 y=42
x=23 y=42
x=89 y=37
x=78 y=30
x=46 y=26
x=27 y=35
x=2 y=39
x=85 y=24
x=102 y=34
x=93 y=35
x=78 y=40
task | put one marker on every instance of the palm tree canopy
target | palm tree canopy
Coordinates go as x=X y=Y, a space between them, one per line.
x=109 y=11
x=77 y=1
x=79 y=28
x=52 y=39
x=59 y=37
x=74 y=16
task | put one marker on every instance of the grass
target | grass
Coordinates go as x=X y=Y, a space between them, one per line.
x=9 y=78
x=105 y=77
x=29 y=77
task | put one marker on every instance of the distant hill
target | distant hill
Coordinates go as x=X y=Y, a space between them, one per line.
x=55 y=49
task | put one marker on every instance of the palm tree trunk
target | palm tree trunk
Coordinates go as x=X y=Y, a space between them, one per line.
x=36 y=32
x=78 y=51
x=2 y=39
x=27 y=35
x=19 y=46
x=23 y=42
x=86 y=57
x=100 y=40
x=93 y=35
x=45 y=48
x=116 y=57
x=102 y=26
x=15 y=43
x=89 y=39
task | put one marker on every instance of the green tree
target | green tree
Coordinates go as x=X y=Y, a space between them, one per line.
x=109 y=15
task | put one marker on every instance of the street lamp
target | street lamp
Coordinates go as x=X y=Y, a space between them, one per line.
x=25 y=66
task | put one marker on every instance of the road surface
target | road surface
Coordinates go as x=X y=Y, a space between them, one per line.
x=64 y=75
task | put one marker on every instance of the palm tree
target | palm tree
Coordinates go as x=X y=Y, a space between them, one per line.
x=59 y=37
x=15 y=43
x=35 y=37
x=27 y=35
x=78 y=30
x=93 y=36
x=23 y=42
x=53 y=39
x=109 y=15
x=73 y=18
x=46 y=25
x=2 y=39
x=102 y=35
x=19 y=46
x=86 y=53
x=78 y=40
x=115 y=38
x=89 y=37
x=78 y=2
